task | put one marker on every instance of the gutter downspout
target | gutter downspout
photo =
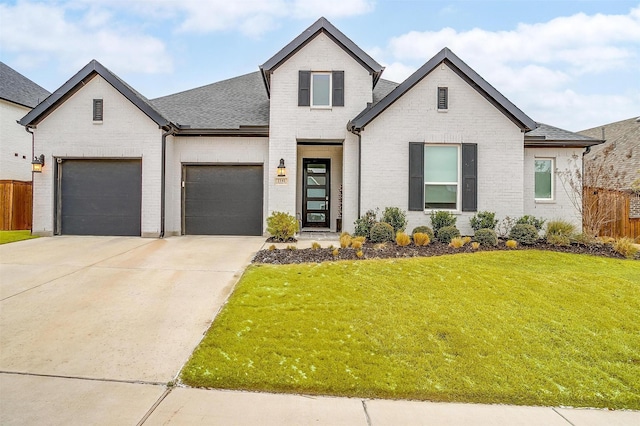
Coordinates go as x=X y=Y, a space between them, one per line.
x=33 y=155
x=163 y=171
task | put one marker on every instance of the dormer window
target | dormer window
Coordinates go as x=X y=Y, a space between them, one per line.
x=319 y=89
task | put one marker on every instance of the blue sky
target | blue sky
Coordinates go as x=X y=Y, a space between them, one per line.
x=569 y=63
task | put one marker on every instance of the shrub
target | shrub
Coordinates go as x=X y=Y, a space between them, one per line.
x=335 y=252
x=315 y=245
x=396 y=218
x=511 y=244
x=403 y=239
x=505 y=226
x=345 y=240
x=482 y=220
x=292 y=248
x=441 y=219
x=360 y=240
x=365 y=223
x=272 y=247
x=447 y=233
x=282 y=226
x=625 y=246
x=605 y=240
x=486 y=237
x=560 y=227
x=475 y=245
x=531 y=220
x=456 y=242
x=524 y=234
x=558 y=240
x=356 y=244
x=359 y=253
x=381 y=233
x=424 y=230
x=584 y=238
x=421 y=239
x=466 y=240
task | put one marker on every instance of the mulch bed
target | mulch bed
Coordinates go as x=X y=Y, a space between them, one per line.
x=389 y=251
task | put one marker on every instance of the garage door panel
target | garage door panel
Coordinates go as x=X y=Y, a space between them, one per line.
x=223 y=200
x=101 y=197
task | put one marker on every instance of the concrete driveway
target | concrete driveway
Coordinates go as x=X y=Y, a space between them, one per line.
x=112 y=313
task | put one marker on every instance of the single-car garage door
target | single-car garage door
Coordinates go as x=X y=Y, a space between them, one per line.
x=99 y=197
x=222 y=199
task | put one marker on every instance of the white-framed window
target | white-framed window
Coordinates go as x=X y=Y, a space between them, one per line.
x=321 y=89
x=442 y=176
x=544 y=179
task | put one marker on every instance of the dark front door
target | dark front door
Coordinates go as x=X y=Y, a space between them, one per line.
x=315 y=188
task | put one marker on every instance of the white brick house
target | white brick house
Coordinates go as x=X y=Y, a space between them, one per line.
x=205 y=161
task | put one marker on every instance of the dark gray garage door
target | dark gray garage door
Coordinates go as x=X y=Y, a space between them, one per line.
x=223 y=200
x=100 y=197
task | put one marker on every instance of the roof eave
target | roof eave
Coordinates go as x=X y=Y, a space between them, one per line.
x=548 y=143
x=86 y=74
x=255 y=131
x=466 y=73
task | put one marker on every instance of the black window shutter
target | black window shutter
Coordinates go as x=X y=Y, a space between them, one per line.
x=304 y=88
x=469 y=177
x=416 y=176
x=337 y=78
x=97 y=109
x=443 y=98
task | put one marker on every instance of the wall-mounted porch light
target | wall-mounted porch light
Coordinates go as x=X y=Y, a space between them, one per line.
x=282 y=170
x=37 y=164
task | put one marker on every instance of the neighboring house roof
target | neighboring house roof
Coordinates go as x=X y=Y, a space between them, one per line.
x=382 y=89
x=466 y=73
x=320 y=26
x=624 y=139
x=16 y=88
x=229 y=104
x=76 y=82
x=549 y=136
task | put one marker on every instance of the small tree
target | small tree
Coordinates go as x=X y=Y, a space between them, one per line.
x=599 y=174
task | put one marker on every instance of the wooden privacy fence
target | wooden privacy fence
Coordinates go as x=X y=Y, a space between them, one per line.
x=16 y=205
x=622 y=211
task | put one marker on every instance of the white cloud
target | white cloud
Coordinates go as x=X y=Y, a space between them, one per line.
x=38 y=33
x=541 y=65
x=250 y=17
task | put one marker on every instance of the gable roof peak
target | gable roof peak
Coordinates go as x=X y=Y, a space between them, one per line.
x=322 y=25
x=465 y=72
x=75 y=83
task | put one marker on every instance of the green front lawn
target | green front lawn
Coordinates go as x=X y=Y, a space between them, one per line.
x=527 y=327
x=13 y=236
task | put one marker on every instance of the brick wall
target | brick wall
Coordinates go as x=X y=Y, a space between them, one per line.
x=126 y=132
x=15 y=143
x=470 y=118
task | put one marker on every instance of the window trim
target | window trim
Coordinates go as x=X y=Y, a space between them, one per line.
x=329 y=93
x=553 y=180
x=458 y=184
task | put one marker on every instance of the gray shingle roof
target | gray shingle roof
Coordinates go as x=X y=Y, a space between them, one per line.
x=382 y=89
x=624 y=136
x=228 y=104
x=77 y=81
x=465 y=72
x=546 y=135
x=16 y=88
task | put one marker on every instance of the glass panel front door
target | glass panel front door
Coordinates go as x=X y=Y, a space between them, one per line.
x=315 y=192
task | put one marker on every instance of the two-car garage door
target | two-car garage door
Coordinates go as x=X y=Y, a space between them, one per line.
x=104 y=197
